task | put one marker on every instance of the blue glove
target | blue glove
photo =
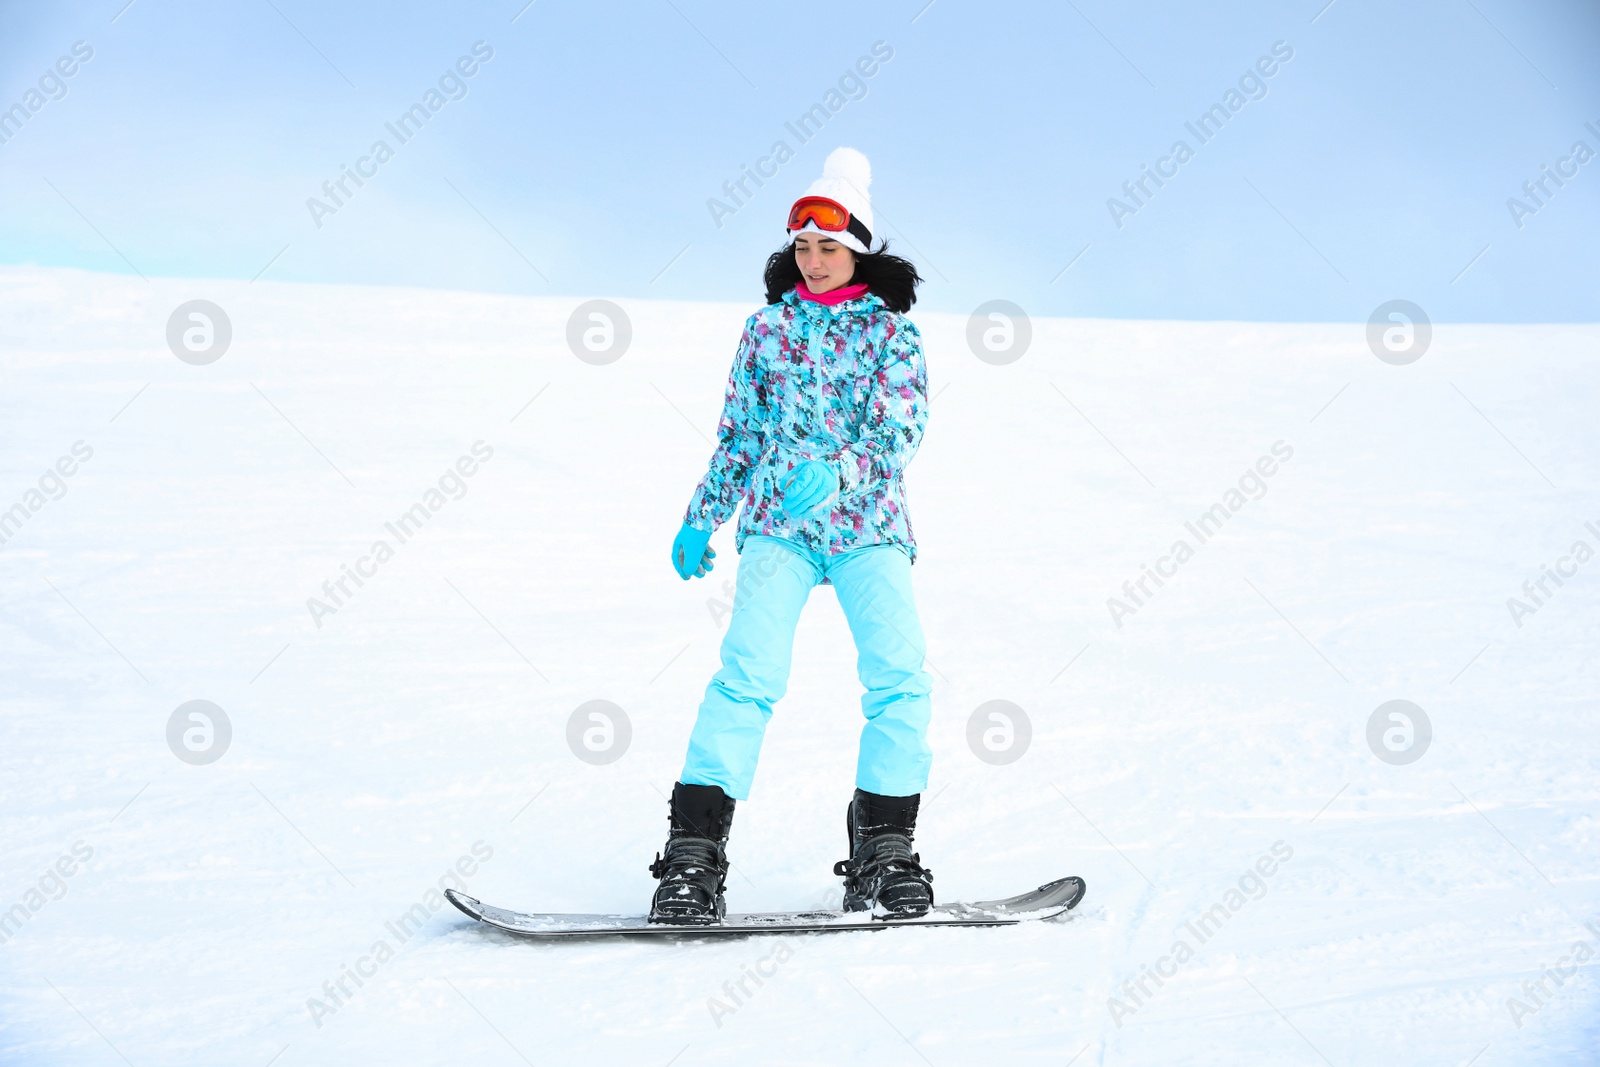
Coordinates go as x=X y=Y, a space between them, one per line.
x=812 y=486
x=692 y=552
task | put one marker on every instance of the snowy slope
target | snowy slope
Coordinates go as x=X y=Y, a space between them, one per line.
x=426 y=719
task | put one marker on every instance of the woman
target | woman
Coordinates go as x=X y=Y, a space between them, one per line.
x=825 y=406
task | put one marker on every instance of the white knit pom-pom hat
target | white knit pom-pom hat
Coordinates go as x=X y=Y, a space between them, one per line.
x=846 y=178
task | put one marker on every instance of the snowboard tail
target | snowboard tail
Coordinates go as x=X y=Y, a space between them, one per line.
x=1049 y=901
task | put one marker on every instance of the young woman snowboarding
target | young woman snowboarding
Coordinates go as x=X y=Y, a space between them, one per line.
x=824 y=409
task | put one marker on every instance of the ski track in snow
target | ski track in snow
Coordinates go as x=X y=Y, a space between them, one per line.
x=1226 y=714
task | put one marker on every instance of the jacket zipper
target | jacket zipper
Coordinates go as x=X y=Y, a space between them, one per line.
x=818 y=331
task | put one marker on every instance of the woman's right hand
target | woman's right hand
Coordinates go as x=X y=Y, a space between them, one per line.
x=692 y=553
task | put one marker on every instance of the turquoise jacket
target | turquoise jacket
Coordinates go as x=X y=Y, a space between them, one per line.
x=845 y=384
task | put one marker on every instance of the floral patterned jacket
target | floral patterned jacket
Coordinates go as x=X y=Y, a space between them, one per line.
x=845 y=384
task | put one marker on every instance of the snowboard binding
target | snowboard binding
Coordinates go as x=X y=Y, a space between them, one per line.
x=883 y=875
x=693 y=867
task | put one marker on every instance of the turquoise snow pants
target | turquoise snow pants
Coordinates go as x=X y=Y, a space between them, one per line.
x=874 y=588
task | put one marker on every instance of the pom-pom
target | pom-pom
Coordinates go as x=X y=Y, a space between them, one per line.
x=850 y=165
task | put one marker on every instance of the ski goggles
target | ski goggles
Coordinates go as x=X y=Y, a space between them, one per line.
x=829 y=216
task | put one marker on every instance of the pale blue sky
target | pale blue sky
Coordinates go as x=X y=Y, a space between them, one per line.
x=581 y=159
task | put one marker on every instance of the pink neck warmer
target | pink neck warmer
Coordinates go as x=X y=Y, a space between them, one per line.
x=832 y=296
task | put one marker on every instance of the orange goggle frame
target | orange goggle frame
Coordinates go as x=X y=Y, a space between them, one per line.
x=829 y=216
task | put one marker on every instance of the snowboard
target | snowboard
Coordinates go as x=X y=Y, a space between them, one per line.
x=1051 y=900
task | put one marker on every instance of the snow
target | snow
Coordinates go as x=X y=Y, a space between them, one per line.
x=1223 y=719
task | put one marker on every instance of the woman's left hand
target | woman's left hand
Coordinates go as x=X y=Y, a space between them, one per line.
x=813 y=485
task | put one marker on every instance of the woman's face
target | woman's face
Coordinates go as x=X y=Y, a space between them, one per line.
x=824 y=263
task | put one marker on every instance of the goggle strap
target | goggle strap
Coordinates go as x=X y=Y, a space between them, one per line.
x=860 y=232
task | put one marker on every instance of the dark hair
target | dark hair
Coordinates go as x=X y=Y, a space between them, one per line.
x=890 y=278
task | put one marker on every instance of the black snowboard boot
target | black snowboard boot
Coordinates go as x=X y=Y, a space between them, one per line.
x=693 y=868
x=883 y=874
